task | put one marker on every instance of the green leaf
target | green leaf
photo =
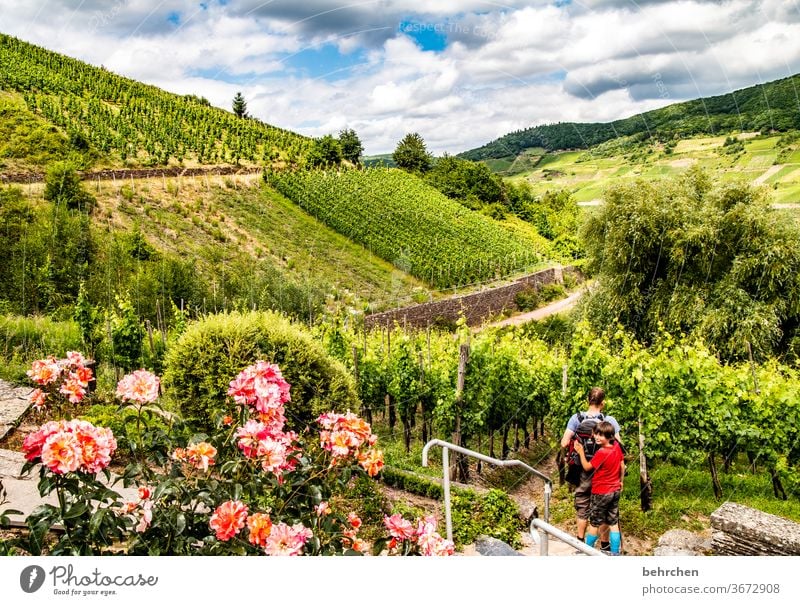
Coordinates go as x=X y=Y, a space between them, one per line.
x=76 y=510
x=180 y=523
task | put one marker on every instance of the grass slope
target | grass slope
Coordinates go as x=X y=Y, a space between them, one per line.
x=221 y=221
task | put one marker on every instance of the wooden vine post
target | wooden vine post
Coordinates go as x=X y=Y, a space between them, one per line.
x=645 y=486
x=457 y=460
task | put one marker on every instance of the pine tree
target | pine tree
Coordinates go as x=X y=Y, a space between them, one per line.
x=240 y=106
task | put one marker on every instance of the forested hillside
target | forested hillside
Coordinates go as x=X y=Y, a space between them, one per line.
x=769 y=106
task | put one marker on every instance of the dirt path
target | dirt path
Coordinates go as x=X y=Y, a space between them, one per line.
x=559 y=306
x=768 y=173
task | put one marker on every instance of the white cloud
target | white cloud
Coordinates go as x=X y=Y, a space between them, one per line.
x=508 y=65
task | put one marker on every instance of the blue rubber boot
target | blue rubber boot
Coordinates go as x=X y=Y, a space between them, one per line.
x=616 y=542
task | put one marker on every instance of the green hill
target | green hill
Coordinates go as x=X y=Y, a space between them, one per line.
x=765 y=107
x=765 y=159
x=101 y=118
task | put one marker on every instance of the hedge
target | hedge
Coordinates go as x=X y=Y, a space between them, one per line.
x=212 y=351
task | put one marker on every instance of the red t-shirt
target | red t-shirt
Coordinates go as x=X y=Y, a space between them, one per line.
x=606 y=462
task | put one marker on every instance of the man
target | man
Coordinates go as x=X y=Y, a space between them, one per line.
x=583 y=492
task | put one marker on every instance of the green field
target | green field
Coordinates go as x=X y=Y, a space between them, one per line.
x=767 y=160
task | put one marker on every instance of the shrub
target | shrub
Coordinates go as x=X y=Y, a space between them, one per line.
x=551 y=292
x=411 y=482
x=62 y=184
x=201 y=364
x=491 y=514
x=527 y=299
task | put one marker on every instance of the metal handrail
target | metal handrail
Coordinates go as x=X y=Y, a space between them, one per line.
x=546 y=528
x=446 y=446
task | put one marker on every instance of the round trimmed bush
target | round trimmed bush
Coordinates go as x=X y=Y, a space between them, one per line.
x=211 y=352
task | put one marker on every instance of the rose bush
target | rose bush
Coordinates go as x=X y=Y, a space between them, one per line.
x=248 y=486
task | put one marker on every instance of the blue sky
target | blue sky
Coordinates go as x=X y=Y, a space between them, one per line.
x=459 y=72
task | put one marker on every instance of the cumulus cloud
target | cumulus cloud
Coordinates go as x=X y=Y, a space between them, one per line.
x=500 y=66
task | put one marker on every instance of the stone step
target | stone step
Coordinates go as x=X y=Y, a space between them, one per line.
x=13 y=404
x=22 y=492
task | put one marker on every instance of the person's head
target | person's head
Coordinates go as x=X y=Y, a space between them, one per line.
x=597 y=397
x=604 y=432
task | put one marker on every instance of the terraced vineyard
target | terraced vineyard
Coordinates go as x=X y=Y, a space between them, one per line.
x=766 y=159
x=123 y=120
x=412 y=225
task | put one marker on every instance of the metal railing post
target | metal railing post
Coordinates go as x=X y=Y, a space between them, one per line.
x=448 y=520
x=446 y=446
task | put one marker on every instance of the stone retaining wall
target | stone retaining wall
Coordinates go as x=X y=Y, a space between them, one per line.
x=475 y=307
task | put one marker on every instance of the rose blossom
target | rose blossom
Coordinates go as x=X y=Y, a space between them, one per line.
x=200 y=455
x=371 y=461
x=228 y=519
x=37 y=399
x=44 y=371
x=287 y=541
x=141 y=386
x=399 y=528
x=61 y=452
x=260 y=526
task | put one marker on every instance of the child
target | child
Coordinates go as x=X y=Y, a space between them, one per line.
x=609 y=469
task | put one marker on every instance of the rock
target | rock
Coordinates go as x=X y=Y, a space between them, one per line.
x=680 y=542
x=740 y=530
x=492 y=547
x=528 y=512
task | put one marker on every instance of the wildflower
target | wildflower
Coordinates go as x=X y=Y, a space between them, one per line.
x=322 y=509
x=228 y=519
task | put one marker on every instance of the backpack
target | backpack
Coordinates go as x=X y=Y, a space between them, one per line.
x=585 y=434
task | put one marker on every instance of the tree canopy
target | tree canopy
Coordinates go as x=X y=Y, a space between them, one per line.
x=411 y=154
x=715 y=261
x=351 y=146
x=326 y=151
